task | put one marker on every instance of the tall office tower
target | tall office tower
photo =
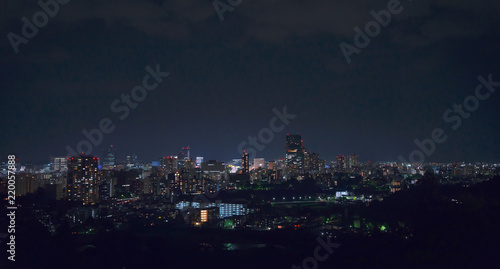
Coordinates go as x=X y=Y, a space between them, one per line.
x=185 y=150
x=170 y=164
x=199 y=160
x=313 y=162
x=132 y=161
x=341 y=164
x=83 y=179
x=306 y=160
x=181 y=162
x=294 y=156
x=109 y=158
x=180 y=156
x=245 y=163
x=280 y=164
x=352 y=161
x=259 y=163
x=59 y=164
x=104 y=191
x=183 y=156
x=271 y=165
x=189 y=164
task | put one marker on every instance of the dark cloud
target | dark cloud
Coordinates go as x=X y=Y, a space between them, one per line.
x=227 y=76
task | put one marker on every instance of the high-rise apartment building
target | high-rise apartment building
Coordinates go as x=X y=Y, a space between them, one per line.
x=294 y=155
x=83 y=179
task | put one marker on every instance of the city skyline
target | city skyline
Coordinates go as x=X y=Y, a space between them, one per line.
x=249 y=134
x=123 y=158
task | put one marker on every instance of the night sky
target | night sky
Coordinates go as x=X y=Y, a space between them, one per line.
x=226 y=77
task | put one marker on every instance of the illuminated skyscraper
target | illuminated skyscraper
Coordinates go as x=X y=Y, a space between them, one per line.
x=271 y=165
x=109 y=158
x=170 y=164
x=59 y=164
x=313 y=162
x=294 y=155
x=341 y=164
x=352 y=161
x=83 y=179
x=245 y=164
x=189 y=164
x=199 y=161
x=185 y=151
x=183 y=156
x=280 y=164
x=132 y=161
x=259 y=163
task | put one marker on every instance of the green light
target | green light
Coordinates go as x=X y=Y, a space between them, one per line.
x=229 y=224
